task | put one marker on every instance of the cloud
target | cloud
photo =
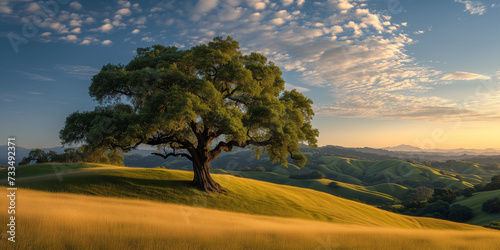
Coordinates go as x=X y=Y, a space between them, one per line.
x=86 y=42
x=104 y=28
x=35 y=77
x=106 y=42
x=464 y=76
x=277 y=21
x=33 y=7
x=78 y=71
x=69 y=38
x=124 y=4
x=75 y=5
x=473 y=7
x=286 y=2
x=289 y=86
x=75 y=23
x=147 y=39
x=34 y=93
x=4 y=7
x=204 y=6
x=124 y=12
x=341 y=4
x=300 y=3
x=59 y=27
x=136 y=31
x=89 y=20
x=76 y=30
x=259 y=5
x=140 y=20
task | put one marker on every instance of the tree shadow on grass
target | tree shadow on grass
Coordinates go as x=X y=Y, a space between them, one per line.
x=175 y=191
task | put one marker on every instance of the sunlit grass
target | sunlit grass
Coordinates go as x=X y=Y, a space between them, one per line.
x=70 y=221
x=475 y=202
x=243 y=195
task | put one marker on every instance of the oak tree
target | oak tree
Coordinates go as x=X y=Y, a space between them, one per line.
x=195 y=103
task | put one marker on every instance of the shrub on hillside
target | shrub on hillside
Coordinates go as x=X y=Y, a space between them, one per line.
x=333 y=184
x=420 y=194
x=491 y=206
x=443 y=194
x=460 y=213
x=494 y=184
x=479 y=187
x=439 y=209
x=313 y=175
x=493 y=225
x=259 y=169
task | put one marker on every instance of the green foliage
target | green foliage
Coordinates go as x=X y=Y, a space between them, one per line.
x=495 y=179
x=491 y=206
x=37 y=155
x=443 y=194
x=420 y=194
x=493 y=225
x=257 y=169
x=333 y=184
x=494 y=184
x=70 y=155
x=438 y=209
x=460 y=213
x=186 y=100
x=312 y=175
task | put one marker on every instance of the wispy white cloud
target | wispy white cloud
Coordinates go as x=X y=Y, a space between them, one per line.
x=33 y=76
x=147 y=39
x=473 y=7
x=34 y=93
x=464 y=76
x=289 y=86
x=78 y=71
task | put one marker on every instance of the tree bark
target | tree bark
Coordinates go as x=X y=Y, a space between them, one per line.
x=202 y=179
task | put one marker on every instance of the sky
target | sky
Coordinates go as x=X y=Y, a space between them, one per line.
x=380 y=73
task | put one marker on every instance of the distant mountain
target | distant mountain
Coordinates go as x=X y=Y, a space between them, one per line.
x=403 y=147
x=458 y=151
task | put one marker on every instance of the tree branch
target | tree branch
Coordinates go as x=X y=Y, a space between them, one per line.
x=228 y=146
x=165 y=156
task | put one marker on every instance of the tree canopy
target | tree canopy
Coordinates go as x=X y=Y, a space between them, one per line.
x=195 y=103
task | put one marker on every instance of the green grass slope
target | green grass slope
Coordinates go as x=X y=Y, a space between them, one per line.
x=243 y=195
x=475 y=202
x=369 y=195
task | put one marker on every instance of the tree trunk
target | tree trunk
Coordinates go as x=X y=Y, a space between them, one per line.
x=202 y=178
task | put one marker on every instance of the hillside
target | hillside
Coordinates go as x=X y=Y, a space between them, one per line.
x=475 y=202
x=72 y=221
x=243 y=195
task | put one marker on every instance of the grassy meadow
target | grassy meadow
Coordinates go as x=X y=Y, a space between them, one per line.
x=95 y=206
x=243 y=195
x=72 y=221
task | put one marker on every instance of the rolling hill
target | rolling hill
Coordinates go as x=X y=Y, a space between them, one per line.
x=71 y=221
x=475 y=203
x=94 y=206
x=243 y=195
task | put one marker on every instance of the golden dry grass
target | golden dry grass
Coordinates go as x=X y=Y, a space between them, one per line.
x=70 y=221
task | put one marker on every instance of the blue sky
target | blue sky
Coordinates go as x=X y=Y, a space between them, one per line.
x=380 y=73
